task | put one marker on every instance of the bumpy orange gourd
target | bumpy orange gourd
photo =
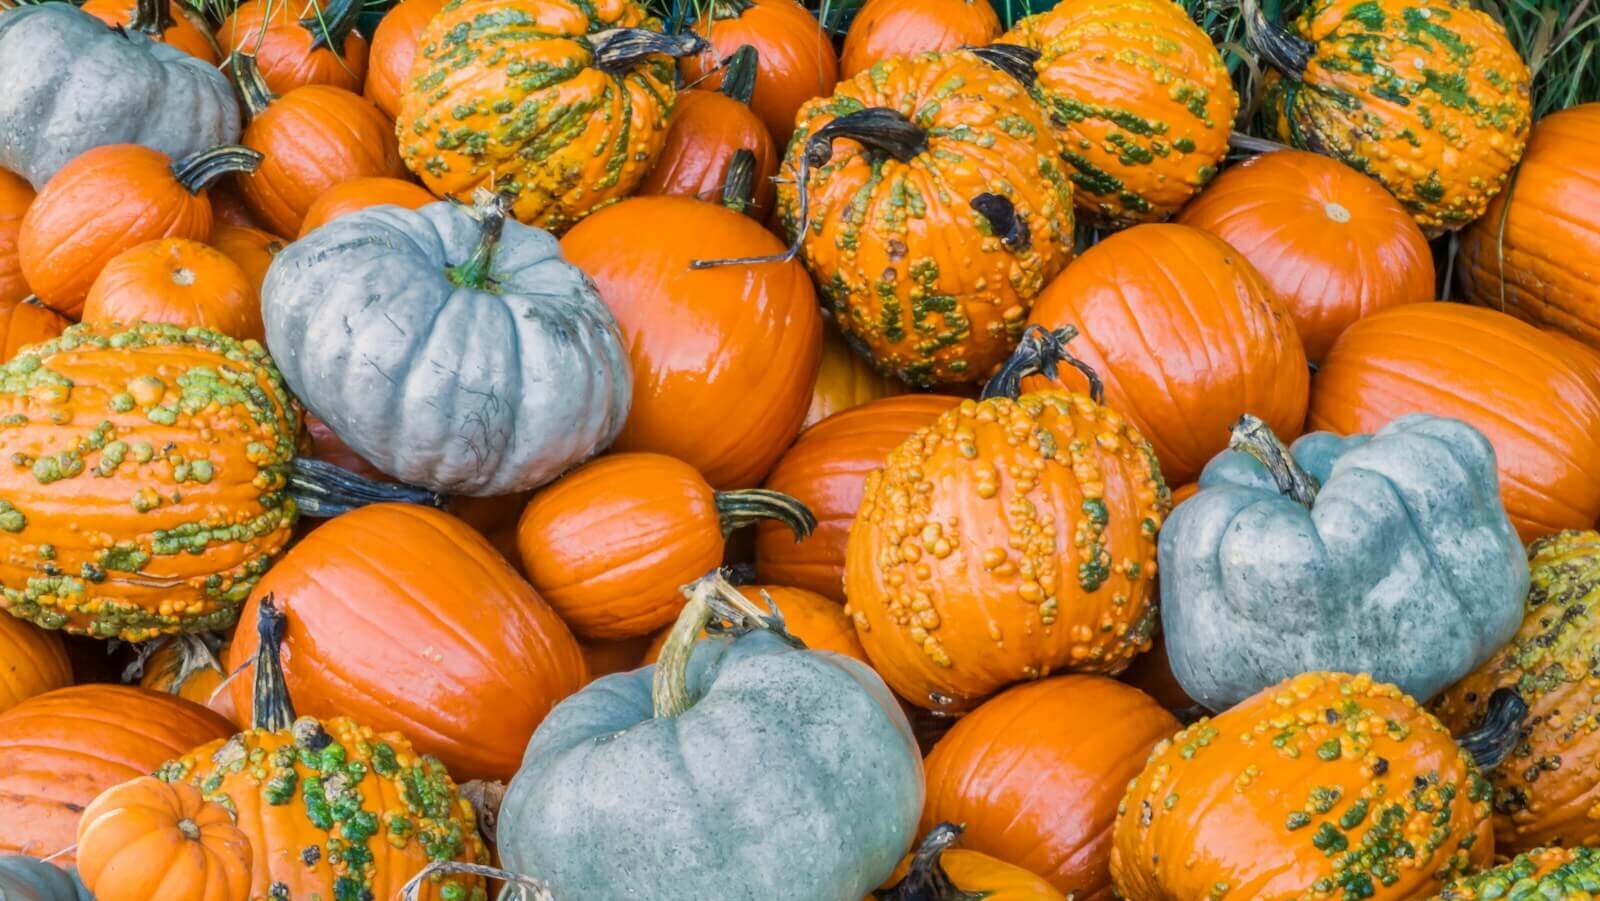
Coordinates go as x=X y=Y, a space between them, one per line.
x=1037 y=771
x=32 y=662
x=1536 y=252
x=27 y=322
x=394 y=48
x=1548 y=872
x=798 y=61
x=145 y=839
x=167 y=21
x=817 y=621
x=178 y=281
x=1531 y=399
x=299 y=44
x=190 y=666
x=883 y=29
x=15 y=196
x=1326 y=785
x=827 y=470
x=251 y=248
x=935 y=871
x=359 y=193
x=846 y=379
x=1333 y=245
x=1141 y=101
x=926 y=239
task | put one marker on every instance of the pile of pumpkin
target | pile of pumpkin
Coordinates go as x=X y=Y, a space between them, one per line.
x=529 y=448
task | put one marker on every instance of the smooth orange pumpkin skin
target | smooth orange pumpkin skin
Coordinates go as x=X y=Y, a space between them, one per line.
x=1333 y=244
x=58 y=751
x=228 y=208
x=394 y=47
x=1036 y=774
x=102 y=203
x=177 y=281
x=27 y=322
x=723 y=359
x=271 y=30
x=817 y=621
x=1187 y=336
x=32 y=662
x=704 y=132
x=359 y=193
x=145 y=839
x=846 y=379
x=826 y=470
x=1534 y=403
x=619 y=655
x=183 y=33
x=405 y=619
x=251 y=248
x=797 y=59
x=15 y=196
x=887 y=28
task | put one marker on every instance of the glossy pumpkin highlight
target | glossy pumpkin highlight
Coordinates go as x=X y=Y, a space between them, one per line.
x=394 y=48
x=15 y=196
x=883 y=29
x=798 y=61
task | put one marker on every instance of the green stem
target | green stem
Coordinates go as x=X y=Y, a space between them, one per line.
x=619 y=49
x=1256 y=438
x=323 y=490
x=738 y=509
x=251 y=85
x=1039 y=353
x=151 y=17
x=739 y=187
x=739 y=74
x=877 y=128
x=1016 y=61
x=926 y=879
x=271 y=710
x=198 y=170
x=491 y=211
x=1286 y=52
x=1500 y=730
x=330 y=27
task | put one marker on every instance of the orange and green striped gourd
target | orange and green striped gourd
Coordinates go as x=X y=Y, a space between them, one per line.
x=1546 y=874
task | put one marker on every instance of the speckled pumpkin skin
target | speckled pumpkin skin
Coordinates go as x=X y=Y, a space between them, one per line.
x=1327 y=787
x=506 y=91
x=914 y=276
x=1547 y=874
x=1426 y=96
x=336 y=810
x=1141 y=102
x=145 y=491
x=1009 y=540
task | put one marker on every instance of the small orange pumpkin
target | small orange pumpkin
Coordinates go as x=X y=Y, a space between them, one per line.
x=883 y=29
x=177 y=281
x=359 y=193
x=15 y=196
x=145 y=839
x=167 y=21
x=189 y=665
x=938 y=872
x=797 y=59
x=296 y=46
x=251 y=248
x=27 y=322
x=394 y=47
x=32 y=662
x=817 y=621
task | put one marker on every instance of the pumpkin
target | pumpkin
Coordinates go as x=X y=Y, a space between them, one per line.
x=109 y=200
x=190 y=666
x=1388 y=554
x=1429 y=97
x=826 y=470
x=1326 y=783
x=797 y=59
x=179 y=281
x=1035 y=774
x=167 y=21
x=846 y=379
x=373 y=316
x=753 y=708
x=32 y=662
x=27 y=322
x=228 y=206
x=1533 y=253
x=723 y=358
x=1583 y=356
x=30 y=879
x=607 y=81
x=61 y=749
x=818 y=622
x=1001 y=544
x=706 y=130
x=1539 y=409
x=358 y=194
x=146 y=839
x=883 y=29
x=59 y=102
x=608 y=583
x=485 y=657
x=1331 y=244
x=615 y=656
x=394 y=48
x=332 y=808
x=313 y=44
x=1140 y=99
x=932 y=283
x=251 y=248
x=938 y=872
x=1547 y=872
x=15 y=196
x=1187 y=336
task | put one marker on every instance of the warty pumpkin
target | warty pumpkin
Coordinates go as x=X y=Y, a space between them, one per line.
x=1563 y=873
x=177 y=281
x=109 y=200
x=724 y=358
x=59 y=750
x=883 y=29
x=251 y=248
x=826 y=470
x=15 y=196
x=937 y=871
x=146 y=839
x=1332 y=244
x=1013 y=538
x=845 y=379
x=167 y=21
x=797 y=59
x=394 y=48
x=32 y=662
x=190 y=666
x=1036 y=773
x=25 y=878
x=1429 y=97
x=299 y=45
x=1539 y=408
x=927 y=246
x=27 y=322
x=1140 y=99
x=819 y=623
x=358 y=194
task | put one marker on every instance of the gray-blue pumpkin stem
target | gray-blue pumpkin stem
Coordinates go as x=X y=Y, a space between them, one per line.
x=151 y=17
x=1286 y=52
x=619 y=49
x=1501 y=729
x=1256 y=438
x=926 y=880
x=200 y=169
x=323 y=490
x=875 y=128
x=1040 y=352
x=739 y=74
x=1014 y=60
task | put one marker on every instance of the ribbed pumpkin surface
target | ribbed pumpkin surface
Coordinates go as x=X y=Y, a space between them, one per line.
x=32 y=662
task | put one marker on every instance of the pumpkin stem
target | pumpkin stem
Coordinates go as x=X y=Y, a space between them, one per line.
x=518 y=886
x=876 y=128
x=1254 y=437
x=739 y=74
x=189 y=829
x=926 y=880
x=617 y=50
x=194 y=653
x=200 y=169
x=151 y=17
x=1001 y=214
x=249 y=82
x=1286 y=52
x=323 y=490
x=1014 y=60
x=716 y=605
x=271 y=710
x=1500 y=730
x=329 y=27
x=1039 y=353
x=491 y=211
x=739 y=188
x=486 y=797
x=738 y=509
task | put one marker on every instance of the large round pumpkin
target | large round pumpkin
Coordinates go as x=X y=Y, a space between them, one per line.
x=1187 y=336
x=358 y=194
x=394 y=48
x=883 y=29
x=168 y=21
x=146 y=839
x=1536 y=405
x=25 y=322
x=1332 y=244
x=32 y=662
x=723 y=358
x=61 y=749
x=15 y=196
x=178 y=281
x=818 y=622
x=798 y=61
x=299 y=44
x=845 y=379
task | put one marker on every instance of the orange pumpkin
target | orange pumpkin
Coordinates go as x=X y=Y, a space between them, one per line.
x=178 y=281
x=251 y=248
x=27 y=322
x=1187 y=336
x=1539 y=409
x=32 y=662
x=228 y=206
x=61 y=749
x=394 y=46
x=359 y=193
x=938 y=872
x=15 y=196
x=145 y=839
x=190 y=666
x=167 y=21
x=619 y=655
x=299 y=45
x=612 y=583
x=817 y=621
x=398 y=589
x=723 y=358
x=846 y=379
x=1037 y=771
x=883 y=29
x=826 y=470
x=1333 y=245
x=108 y=200
x=797 y=59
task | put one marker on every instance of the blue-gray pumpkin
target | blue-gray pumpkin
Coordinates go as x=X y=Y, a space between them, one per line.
x=741 y=768
x=31 y=879
x=450 y=347
x=70 y=83
x=1388 y=554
